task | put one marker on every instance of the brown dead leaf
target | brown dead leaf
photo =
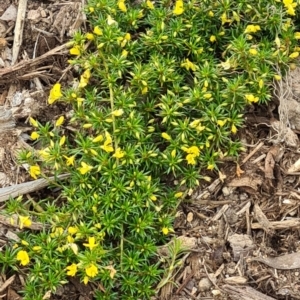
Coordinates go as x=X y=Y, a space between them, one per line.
x=3 y=43
x=222 y=176
x=112 y=271
x=239 y=171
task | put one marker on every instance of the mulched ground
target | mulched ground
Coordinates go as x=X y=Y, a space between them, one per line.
x=242 y=228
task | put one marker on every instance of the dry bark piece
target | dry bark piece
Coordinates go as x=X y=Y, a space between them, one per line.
x=276 y=225
x=261 y=218
x=10 y=14
x=12 y=295
x=244 y=293
x=241 y=244
x=236 y=280
x=270 y=162
x=246 y=181
x=7 y=283
x=284 y=262
x=295 y=167
x=6 y=120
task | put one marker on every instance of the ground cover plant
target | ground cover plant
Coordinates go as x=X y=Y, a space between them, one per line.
x=161 y=93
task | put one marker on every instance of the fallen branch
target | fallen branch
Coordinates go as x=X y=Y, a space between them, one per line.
x=18 y=71
x=244 y=293
x=27 y=187
x=18 y=34
x=275 y=225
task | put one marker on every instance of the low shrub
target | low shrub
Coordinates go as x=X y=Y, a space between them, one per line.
x=161 y=93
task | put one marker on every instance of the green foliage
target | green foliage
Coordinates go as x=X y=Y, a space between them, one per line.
x=162 y=90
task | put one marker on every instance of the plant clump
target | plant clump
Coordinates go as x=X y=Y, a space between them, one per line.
x=161 y=93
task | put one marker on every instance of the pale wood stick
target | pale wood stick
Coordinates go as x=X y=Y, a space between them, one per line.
x=27 y=187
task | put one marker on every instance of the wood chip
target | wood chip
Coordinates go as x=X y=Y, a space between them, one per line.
x=284 y=262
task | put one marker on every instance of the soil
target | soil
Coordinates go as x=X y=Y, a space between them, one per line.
x=242 y=228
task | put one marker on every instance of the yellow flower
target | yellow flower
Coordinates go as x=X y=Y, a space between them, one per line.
x=57 y=232
x=221 y=123
x=84 y=78
x=70 y=160
x=207 y=95
x=178 y=9
x=110 y=20
x=251 y=98
x=294 y=55
x=252 y=28
x=91 y=270
x=98 y=138
x=97 y=30
x=72 y=230
x=178 y=195
x=212 y=38
x=195 y=123
x=166 y=136
x=89 y=36
x=36 y=248
x=23 y=257
x=165 y=230
x=62 y=140
x=144 y=90
x=233 y=129
x=149 y=4
x=124 y=53
x=34 y=171
x=33 y=122
x=297 y=35
x=24 y=243
x=75 y=50
x=277 y=77
x=85 y=280
x=119 y=153
x=85 y=168
x=91 y=244
x=194 y=150
x=59 y=121
x=290 y=6
x=253 y=51
x=107 y=146
x=210 y=13
x=24 y=221
x=122 y=6
x=55 y=93
x=72 y=270
x=44 y=153
x=91 y=9
x=224 y=19
x=70 y=239
x=118 y=112
x=191 y=159
x=34 y=135
x=189 y=65
x=127 y=36
x=210 y=167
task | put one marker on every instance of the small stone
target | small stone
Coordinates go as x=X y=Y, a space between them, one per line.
x=204 y=284
x=226 y=191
